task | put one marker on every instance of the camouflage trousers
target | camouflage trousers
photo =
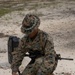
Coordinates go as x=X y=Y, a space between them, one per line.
x=34 y=69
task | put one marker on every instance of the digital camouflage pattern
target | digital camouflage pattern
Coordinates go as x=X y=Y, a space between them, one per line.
x=44 y=65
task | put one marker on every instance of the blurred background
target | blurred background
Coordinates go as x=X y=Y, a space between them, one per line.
x=57 y=19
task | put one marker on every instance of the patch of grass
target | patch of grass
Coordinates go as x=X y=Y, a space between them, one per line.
x=4 y=11
x=9 y=6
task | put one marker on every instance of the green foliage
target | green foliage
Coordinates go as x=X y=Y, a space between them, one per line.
x=19 y=5
x=4 y=11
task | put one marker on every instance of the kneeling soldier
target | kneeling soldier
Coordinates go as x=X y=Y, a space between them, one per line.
x=40 y=47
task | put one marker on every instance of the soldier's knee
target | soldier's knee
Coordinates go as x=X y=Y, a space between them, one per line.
x=39 y=61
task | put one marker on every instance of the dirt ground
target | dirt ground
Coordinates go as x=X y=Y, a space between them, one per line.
x=57 y=19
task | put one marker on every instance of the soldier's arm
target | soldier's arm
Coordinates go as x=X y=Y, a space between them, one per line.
x=18 y=55
x=50 y=56
x=49 y=62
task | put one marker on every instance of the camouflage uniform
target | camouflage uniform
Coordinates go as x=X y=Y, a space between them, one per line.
x=44 y=65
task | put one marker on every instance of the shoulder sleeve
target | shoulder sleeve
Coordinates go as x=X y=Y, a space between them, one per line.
x=49 y=62
x=18 y=55
x=49 y=45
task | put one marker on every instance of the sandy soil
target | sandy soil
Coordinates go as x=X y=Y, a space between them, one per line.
x=58 y=21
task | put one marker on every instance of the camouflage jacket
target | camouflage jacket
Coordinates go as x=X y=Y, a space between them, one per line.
x=42 y=42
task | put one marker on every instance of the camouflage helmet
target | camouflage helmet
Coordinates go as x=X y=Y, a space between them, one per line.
x=30 y=22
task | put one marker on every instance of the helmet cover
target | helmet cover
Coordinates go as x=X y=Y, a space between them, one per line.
x=29 y=23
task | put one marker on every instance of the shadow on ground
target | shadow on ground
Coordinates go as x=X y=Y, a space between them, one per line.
x=2 y=35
